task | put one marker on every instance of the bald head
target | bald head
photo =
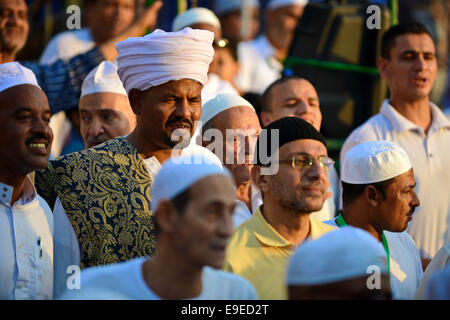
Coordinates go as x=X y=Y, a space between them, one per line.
x=291 y=97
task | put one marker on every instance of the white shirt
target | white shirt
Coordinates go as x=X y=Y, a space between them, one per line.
x=405 y=265
x=66 y=45
x=26 y=255
x=125 y=280
x=430 y=158
x=258 y=66
x=439 y=262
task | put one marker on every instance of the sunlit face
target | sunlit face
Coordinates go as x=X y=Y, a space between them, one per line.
x=26 y=137
x=174 y=105
x=396 y=210
x=293 y=98
x=224 y=65
x=231 y=25
x=14 y=25
x=201 y=232
x=107 y=18
x=240 y=129
x=104 y=116
x=412 y=67
x=302 y=190
x=281 y=24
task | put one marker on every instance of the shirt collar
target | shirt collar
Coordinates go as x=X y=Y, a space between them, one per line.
x=265 y=233
x=28 y=192
x=400 y=123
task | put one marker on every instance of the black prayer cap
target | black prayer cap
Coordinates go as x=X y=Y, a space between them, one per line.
x=289 y=129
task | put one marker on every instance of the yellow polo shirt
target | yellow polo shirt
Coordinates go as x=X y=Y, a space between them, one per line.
x=260 y=254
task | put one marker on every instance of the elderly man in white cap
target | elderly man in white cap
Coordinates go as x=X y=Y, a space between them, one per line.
x=378 y=196
x=105 y=111
x=105 y=190
x=26 y=221
x=345 y=264
x=193 y=201
x=205 y=19
x=230 y=128
x=261 y=59
x=239 y=18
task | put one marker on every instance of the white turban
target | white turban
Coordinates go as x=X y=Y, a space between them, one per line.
x=221 y=103
x=103 y=78
x=14 y=74
x=339 y=255
x=273 y=4
x=161 y=56
x=179 y=173
x=374 y=161
x=193 y=16
x=226 y=6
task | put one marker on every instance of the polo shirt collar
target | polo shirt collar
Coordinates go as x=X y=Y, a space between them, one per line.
x=400 y=123
x=265 y=233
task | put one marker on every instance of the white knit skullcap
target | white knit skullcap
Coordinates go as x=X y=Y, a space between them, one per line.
x=225 y=6
x=179 y=173
x=273 y=4
x=161 y=56
x=14 y=74
x=103 y=78
x=221 y=103
x=193 y=16
x=374 y=161
x=339 y=255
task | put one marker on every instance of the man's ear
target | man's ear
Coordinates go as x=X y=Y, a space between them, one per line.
x=135 y=98
x=266 y=118
x=372 y=196
x=383 y=67
x=261 y=181
x=164 y=216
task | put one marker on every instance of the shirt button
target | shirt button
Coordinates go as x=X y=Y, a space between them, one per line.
x=430 y=155
x=21 y=285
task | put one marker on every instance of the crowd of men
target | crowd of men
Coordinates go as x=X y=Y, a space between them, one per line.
x=183 y=190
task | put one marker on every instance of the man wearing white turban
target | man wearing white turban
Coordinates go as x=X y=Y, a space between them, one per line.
x=193 y=202
x=26 y=221
x=105 y=190
x=378 y=196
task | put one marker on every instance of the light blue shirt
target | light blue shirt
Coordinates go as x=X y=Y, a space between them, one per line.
x=26 y=245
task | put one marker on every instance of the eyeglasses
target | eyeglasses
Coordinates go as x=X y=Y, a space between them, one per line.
x=303 y=161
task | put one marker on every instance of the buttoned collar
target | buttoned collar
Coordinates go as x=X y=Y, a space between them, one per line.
x=400 y=123
x=28 y=193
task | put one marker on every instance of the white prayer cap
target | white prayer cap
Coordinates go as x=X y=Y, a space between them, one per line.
x=160 y=57
x=225 y=6
x=339 y=255
x=179 y=173
x=103 y=78
x=221 y=103
x=193 y=16
x=273 y=4
x=374 y=161
x=14 y=74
